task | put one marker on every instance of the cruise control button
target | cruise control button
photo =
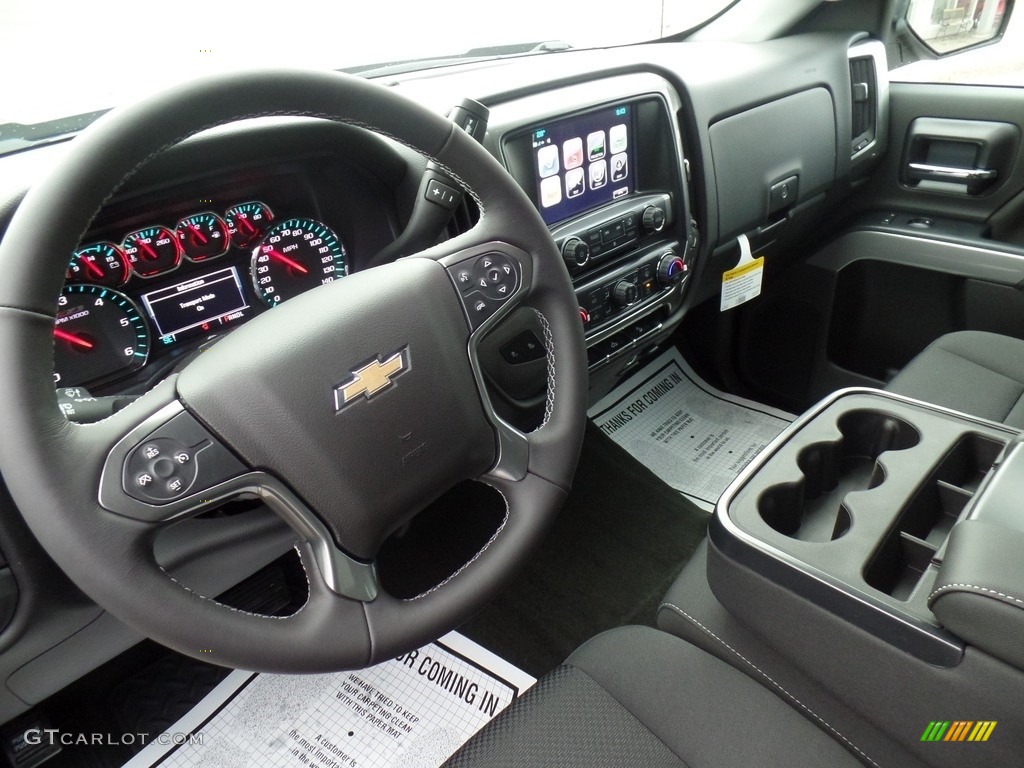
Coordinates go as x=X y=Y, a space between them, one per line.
x=178 y=456
x=479 y=308
x=163 y=468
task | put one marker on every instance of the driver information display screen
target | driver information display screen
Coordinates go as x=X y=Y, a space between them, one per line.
x=583 y=161
x=200 y=301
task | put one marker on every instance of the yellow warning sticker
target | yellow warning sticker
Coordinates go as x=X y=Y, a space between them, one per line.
x=742 y=283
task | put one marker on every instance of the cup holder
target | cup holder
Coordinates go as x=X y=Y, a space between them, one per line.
x=811 y=508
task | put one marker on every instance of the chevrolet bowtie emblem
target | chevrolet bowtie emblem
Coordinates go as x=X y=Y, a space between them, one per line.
x=371 y=379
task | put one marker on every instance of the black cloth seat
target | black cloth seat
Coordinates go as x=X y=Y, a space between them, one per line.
x=971 y=371
x=636 y=696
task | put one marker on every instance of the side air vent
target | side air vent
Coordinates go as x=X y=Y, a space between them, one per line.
x=864 y=98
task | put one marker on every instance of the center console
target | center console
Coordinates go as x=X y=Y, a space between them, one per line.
x=867 y=565
x=852 y=507
x=603 y=163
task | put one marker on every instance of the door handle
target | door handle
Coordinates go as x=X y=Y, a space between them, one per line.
x=950 y=173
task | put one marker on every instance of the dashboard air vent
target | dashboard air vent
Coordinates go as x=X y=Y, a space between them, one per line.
x=863 y=87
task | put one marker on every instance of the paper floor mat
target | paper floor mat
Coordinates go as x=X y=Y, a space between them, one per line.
x=689 y=434
x=413 y=711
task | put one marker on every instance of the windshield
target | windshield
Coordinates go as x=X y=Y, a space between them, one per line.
x=69 y=58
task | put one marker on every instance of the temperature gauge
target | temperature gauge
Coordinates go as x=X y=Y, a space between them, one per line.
x=152 y=250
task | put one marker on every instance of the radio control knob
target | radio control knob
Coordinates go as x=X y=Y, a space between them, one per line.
x=575 y=252
x=624 y=293
x=671 y=269
x=653 y=219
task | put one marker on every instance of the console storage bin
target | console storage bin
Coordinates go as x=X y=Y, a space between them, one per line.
x=851 y=507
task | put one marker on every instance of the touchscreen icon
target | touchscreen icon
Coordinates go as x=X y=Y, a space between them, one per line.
x=574 y=186
x=547 y=160
x=598 y=174
x=572 y=153
x=620 y=166
x=617 y=138
x=550 y=191
x=595 y=145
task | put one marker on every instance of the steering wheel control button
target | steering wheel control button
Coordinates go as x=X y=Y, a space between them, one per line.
x=464 y=279
x=163 y=467
x=497 y=276
x=158 y=477
x=524 y=348
x=441 y=194
x=176 y=458
x=492 y=278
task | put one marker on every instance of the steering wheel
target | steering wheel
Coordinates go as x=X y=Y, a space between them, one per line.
x=346 y=409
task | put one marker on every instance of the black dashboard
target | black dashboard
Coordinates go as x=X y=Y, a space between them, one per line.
x=168 y=269
x=646 y=162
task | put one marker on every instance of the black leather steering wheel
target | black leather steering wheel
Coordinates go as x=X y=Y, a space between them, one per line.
x=279 y=408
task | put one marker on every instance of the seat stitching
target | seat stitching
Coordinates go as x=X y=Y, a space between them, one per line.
x=947 y=587
x=767 y=677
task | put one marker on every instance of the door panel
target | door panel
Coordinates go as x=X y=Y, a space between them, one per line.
x=984 y=119
x=920 y=256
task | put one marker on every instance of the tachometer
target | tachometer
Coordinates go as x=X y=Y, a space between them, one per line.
x=98 y=334
x=296 y=255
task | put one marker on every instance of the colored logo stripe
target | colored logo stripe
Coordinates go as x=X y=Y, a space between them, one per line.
x=958 y=730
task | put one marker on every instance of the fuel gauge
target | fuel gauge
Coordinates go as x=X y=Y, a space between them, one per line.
x=203 y=236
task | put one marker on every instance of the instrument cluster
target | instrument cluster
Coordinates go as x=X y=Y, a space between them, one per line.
x=158 y=285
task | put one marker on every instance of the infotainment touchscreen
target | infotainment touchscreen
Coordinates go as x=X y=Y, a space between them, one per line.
x=583 y=161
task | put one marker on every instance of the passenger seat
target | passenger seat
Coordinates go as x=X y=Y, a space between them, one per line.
x=971 y=371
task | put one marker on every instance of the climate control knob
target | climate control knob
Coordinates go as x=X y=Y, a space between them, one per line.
x=653 y=219
x=671 y=269
x=624 y=293
x=575 y=252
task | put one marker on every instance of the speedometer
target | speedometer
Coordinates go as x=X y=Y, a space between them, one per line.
x=295 y=256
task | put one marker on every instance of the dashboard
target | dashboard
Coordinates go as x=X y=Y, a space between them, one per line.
x=166 y=271
x=646 y=163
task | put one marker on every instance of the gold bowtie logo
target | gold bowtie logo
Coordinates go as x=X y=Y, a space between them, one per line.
x=367 y=381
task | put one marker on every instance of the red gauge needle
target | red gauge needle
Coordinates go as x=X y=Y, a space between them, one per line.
x=92 y=267
x=149 y=251
x=246 y=224
x=64 y=335
x=196 y=231
x=290 y=262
